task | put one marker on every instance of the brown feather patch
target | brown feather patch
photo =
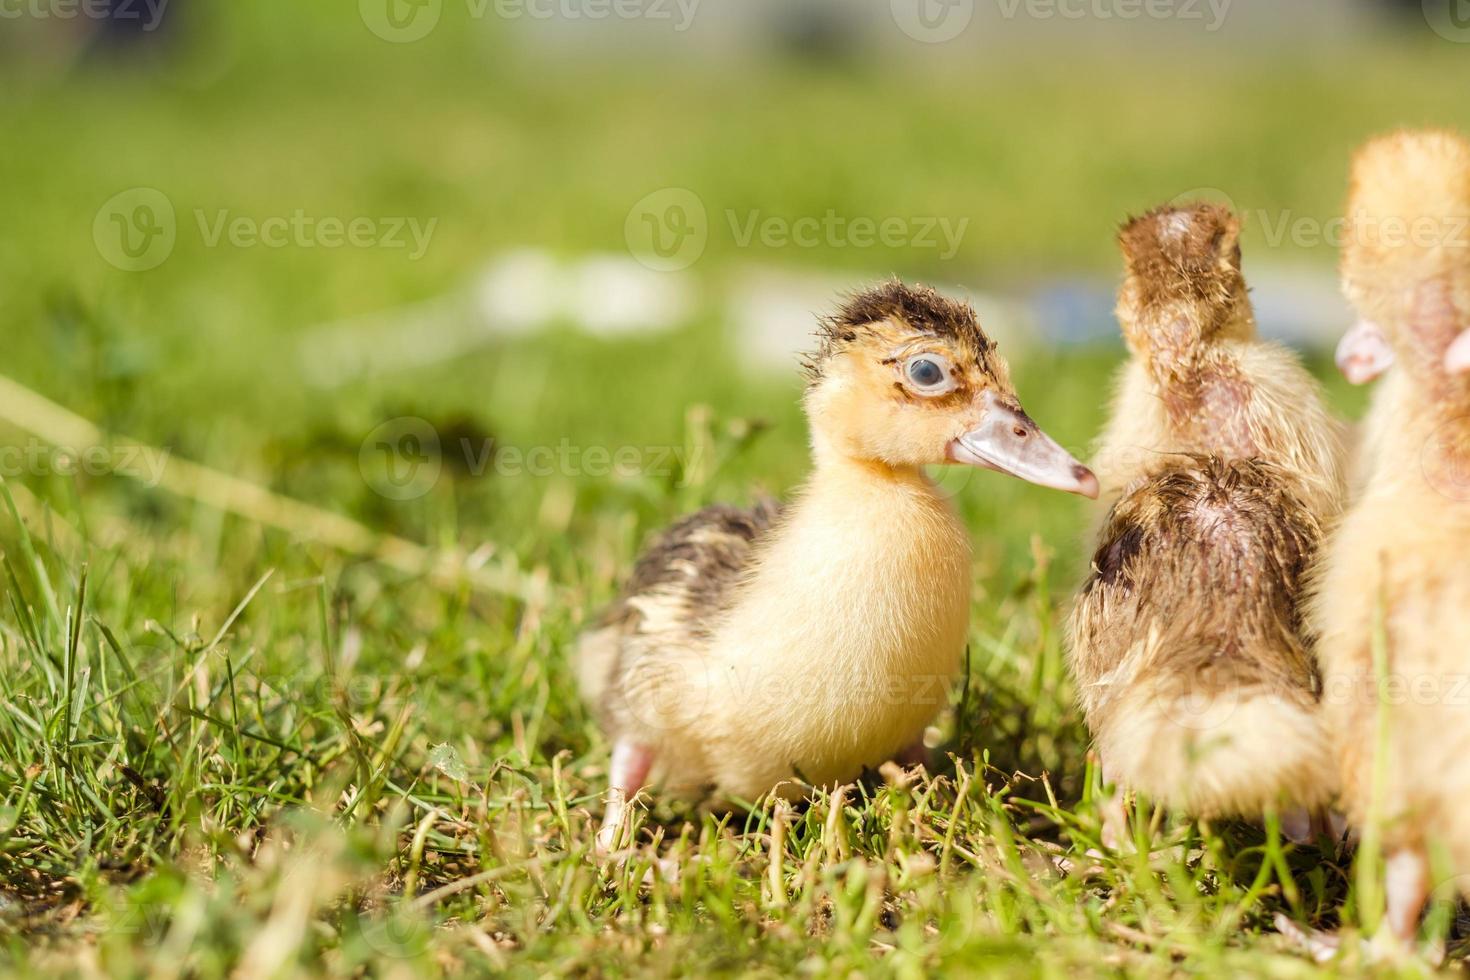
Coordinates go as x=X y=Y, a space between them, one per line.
x=1212 y=554
x=1190 y=252
x=917 y=307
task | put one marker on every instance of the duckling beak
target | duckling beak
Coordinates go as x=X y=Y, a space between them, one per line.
x=1457 y=358
x=1363 y=353
x=1007 y=441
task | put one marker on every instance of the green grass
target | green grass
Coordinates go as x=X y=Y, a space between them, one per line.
x=224 y=749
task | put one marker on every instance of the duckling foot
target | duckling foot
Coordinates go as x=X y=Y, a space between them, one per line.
x=1320 y=946
x=1406 y=887
x=1115 y=835
x=631 y=762
x=1297 y=825
x=1384 y=948
x=1333 y=825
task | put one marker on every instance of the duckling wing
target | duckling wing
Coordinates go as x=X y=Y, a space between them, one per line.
x=679 y=587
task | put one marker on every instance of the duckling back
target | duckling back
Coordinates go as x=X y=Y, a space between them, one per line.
x=1193 y=669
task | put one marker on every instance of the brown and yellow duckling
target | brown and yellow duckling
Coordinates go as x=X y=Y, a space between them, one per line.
x=1220 y=468
x=1397 y=566
x=765 y=650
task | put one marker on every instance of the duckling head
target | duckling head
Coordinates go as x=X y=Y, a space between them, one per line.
x=1183 y=290
x=905 y=377
x=1406 y=259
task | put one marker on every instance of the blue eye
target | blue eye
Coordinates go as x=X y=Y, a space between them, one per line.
x=925 y=372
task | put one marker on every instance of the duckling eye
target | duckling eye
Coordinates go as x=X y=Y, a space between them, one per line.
x=929 y=373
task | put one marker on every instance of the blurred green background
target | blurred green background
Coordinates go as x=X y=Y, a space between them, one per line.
x=508 y=129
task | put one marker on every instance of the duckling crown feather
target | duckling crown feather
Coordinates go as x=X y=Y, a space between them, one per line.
x=1408 y=206
x=917 y=307
x=1189 y=252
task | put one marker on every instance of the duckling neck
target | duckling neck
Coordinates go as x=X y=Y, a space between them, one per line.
x=1425 y=418
x=834 y=463
x=1207 y=399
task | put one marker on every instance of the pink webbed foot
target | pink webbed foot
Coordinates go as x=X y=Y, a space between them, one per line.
x=628 y=773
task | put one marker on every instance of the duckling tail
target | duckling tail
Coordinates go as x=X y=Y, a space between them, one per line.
x=597 y=654
x=1224 y=752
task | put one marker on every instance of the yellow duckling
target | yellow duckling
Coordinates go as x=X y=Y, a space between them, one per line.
x=1398 y=561
x=1219 y=469
x=768 y=650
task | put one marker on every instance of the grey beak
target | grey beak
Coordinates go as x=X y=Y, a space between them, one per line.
x=1007 y=441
